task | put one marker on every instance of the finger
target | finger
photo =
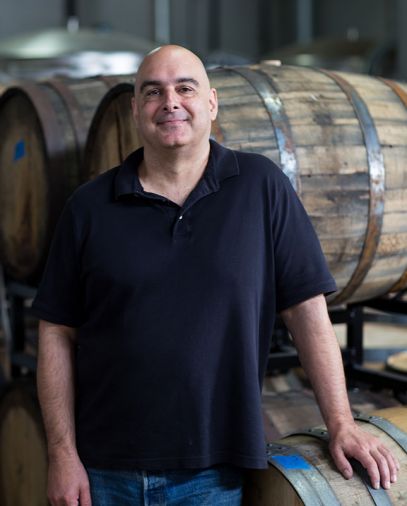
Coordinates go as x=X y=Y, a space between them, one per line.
x=341 y=462
x=371 y=466
x=392 y=462
x=84 y=496
x=383 y=466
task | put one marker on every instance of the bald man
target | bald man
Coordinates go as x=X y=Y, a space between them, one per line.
x=157 y=305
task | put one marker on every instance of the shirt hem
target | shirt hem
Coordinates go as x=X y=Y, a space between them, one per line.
x=157 y=463
x=324 y=288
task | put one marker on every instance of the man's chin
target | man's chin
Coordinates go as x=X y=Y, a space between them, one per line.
x=174 y=143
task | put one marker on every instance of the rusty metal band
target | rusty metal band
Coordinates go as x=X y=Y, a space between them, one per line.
x=402 y=94
x=311 y=486
x=379 y=496
x=266 y=89
x=398 y=90
x=376 y=187
x=74 y=112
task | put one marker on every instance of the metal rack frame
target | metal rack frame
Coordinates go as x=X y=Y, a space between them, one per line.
x=283 y=356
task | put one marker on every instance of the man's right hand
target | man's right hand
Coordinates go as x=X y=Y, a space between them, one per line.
x=68 y=483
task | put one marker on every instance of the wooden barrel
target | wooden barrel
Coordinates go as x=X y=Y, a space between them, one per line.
x=342 y=140
x=43 y=127
x=112 y=134
x=301 y=471
x=23 y=456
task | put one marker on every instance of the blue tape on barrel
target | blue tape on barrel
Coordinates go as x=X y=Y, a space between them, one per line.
x=291 y=462
x=19 y=150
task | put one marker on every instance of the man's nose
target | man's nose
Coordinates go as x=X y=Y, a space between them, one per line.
x=170 y=100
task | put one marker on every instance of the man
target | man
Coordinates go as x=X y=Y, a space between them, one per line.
x=157 y=305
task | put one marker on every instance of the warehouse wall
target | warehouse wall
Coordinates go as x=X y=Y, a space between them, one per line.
x=25 y=15
x=371 y=18
x=248 y=28
x=130 y=16
x=402 y=38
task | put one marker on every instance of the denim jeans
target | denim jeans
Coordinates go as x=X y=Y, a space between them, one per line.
x=216 y=486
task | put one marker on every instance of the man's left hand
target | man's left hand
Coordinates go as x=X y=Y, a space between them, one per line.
x=351 y=441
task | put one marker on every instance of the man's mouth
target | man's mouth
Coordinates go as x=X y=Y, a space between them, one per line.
x=171 y=120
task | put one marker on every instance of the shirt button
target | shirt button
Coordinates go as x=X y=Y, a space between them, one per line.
x=180 y=218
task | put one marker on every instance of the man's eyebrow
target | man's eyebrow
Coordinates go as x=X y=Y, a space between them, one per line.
x=187 y=80
x=179 y=80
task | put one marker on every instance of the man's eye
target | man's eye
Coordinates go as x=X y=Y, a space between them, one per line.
x=186 y=89
x=152 y=93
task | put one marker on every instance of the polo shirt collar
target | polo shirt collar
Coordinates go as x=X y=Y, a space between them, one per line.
x=222 y=164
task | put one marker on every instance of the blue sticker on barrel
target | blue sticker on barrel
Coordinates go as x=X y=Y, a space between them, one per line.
x=19 y=150
x=292 y=462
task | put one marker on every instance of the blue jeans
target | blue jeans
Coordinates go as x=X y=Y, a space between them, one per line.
x=216 y=486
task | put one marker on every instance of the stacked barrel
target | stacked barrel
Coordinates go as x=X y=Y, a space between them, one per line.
x=341 y=138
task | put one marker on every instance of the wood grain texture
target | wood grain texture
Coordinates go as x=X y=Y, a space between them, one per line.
x=112 y=134
x=23 y=456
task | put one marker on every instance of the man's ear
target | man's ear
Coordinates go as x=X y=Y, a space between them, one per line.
x=213 y=103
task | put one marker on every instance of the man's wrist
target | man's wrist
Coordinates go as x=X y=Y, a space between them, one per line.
x=58 y=452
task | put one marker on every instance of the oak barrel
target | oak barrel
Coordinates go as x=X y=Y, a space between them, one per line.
x=43 y=127
x=112 y=134
x=301 y=471
x=340 y=137
x=23 y=456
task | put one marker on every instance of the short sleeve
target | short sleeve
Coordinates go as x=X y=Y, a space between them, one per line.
x=301 y=271
x=58 y=298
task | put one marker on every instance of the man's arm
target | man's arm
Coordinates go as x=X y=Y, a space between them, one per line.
x=319 y=352
x=67 y=478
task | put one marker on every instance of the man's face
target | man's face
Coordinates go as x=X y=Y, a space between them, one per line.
x=173 y=104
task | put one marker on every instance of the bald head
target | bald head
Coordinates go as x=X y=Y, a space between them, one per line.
x=173 y=104
x=163 y=58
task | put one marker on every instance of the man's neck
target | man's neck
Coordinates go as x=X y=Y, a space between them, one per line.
x=173 y=173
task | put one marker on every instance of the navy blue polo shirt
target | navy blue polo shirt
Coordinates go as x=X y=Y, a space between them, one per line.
x=175 y=306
